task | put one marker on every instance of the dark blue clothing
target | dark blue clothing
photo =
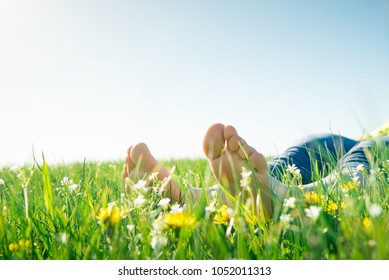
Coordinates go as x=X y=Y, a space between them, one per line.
x=319 y=154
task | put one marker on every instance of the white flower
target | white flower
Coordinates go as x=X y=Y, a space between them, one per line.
x=139 y=201
x=229 y=228
x=214 y=195
x=245 y=181
x=375 y=210
x=72 y=187
x=153 y=176
x=360 y=167
x=158 y=241
x=313 y=212
x=130 y=227
x=293 y=169
x=164 y=202
x=211 y=208
x=355 y=178
x=176 y=208
x=66 y=181
x=373 y=172
x=285 y=218
x=290 y=202
x=140 y=185
x=64 y=238
x=1 y=182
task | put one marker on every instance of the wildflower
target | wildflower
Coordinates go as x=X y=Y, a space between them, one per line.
x=246 y=178
x=229 y=228
x=366 y=222
x=313 y=212
x=153 y=176
x=349 y=185
x=111 y=215
x=355 y=179
x=178 y=220
x=361 y=168
x=176 y=208
x=223 y=215
x=375 y=210
x=141 y=186
x=24 y=243
x=285 y=219
x=13 y=247
x=1 y=182
x=290 y=202
x=293 y=169
x=158 y=241
x=211 y=208
x=130 y=227
x=164 y=202
x=333 y=207
x=139 y=201
x=159 y=225
x=66 y=182
x=312 y=198
x=214 y=195
x=64 y=238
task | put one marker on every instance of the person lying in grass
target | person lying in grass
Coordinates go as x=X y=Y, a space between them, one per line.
x=231 y=159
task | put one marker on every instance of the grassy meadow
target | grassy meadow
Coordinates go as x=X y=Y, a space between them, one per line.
x=81 y=211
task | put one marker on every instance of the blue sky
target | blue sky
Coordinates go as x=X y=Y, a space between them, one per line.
x=88 y=79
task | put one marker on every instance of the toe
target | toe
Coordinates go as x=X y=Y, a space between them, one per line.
x=246 y=150
x=259 y=162
x=140 y=154
x=213 y=143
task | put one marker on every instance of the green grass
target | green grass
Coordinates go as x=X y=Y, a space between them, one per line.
x=40 y=218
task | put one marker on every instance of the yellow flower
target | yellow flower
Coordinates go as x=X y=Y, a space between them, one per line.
x=222 y=217
x=25 y=243
x=13 y=247
x=366 y=222
x=178 y=219
x=312 y=198
x=111 y=215
x=332 y=206
x=349 y=186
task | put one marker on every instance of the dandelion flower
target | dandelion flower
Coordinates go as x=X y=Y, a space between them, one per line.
x=223 y=215
x=331 y=206
x=111 y=215
x=375 y=210
x=290 y=202
x=178 y=220
x=313 y=212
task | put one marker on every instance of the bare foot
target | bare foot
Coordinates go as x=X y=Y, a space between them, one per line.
x=223 y=147
x=140 y=164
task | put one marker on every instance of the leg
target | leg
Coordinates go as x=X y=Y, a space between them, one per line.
x=362 y=154
x=317 y=152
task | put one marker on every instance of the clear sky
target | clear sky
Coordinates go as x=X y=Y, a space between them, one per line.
x=88 y=78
